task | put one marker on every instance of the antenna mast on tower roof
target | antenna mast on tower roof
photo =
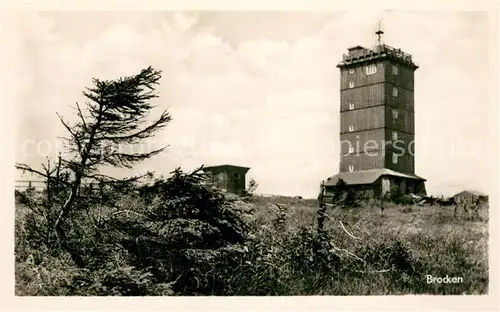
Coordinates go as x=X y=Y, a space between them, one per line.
x=379 y=32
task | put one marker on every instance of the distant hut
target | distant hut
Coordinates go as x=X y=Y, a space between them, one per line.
x=228 y=177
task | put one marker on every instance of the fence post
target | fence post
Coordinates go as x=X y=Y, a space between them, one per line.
x=322 y=208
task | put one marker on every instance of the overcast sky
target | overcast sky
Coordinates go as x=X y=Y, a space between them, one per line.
x=261 y=89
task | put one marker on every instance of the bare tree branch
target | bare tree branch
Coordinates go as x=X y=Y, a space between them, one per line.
x=82 y=118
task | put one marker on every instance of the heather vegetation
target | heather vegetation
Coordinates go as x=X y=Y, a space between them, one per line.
x=178 y=235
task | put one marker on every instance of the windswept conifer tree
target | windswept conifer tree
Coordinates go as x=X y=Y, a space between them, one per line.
x=114 y=117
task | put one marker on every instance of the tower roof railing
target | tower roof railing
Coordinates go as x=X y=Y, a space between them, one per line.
x=376 y=51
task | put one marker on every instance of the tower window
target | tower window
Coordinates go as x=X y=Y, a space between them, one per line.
x=394 y=91
x=351 y=70
x=351 y=84
x=395 y=113
x=394 y=158
x=394 y=136
x=351 y=168
x=351 y=105
x=351 y=128
x=371 y=69
x=351 y=149
x=395 y=70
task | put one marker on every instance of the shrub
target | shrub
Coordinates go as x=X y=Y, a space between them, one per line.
x=182 y=231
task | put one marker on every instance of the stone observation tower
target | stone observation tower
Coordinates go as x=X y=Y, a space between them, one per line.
x=377 y=121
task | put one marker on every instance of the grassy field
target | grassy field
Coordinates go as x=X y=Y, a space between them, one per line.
x=367 y=253
x=438 y=244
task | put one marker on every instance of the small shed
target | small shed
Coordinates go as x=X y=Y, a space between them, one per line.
x=229 y=177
